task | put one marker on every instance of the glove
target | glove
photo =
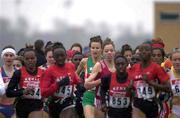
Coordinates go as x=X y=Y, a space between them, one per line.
x=28 y=91
x=81 y=88
x=79 y=92
x=65 y=81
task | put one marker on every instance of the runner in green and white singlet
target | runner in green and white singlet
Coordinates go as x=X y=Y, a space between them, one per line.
x=87 y=65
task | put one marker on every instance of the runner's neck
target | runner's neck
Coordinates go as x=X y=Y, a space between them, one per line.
x=96 y=59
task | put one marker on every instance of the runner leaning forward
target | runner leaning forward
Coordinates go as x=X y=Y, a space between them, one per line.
x=146 y=75
x=58 y=83
x=116 y=91
x=25 y=85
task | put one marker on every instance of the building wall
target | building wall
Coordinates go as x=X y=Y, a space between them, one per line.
x=168 y=30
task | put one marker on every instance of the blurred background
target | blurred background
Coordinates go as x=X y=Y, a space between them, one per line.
x=69 y=21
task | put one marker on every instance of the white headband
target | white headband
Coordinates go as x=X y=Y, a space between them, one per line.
x=8 y=50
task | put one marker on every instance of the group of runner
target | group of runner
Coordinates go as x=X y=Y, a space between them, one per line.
x=103 y=83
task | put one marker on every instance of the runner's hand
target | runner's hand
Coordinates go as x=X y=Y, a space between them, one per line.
x=28 y=91
x=145 y=78
x=130 y=87
x=65 y=81
x=81 y=88
x=104 y=108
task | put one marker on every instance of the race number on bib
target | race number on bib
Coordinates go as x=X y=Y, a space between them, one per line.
x=176 y=89
x=145 y=92
x=119 y=102
x=36 y=94
x=65 y=91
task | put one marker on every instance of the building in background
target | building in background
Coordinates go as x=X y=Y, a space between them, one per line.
x=167 y=23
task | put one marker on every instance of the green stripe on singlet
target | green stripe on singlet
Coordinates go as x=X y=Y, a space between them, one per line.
x=90 y=64
x=88 y=97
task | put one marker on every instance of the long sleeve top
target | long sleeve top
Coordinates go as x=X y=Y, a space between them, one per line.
x=2 y=86
x=13 y=90
x=49 y=84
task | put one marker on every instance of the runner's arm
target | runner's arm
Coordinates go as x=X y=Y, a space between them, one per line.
x=163 y=86
x=12 y=89
x=2 y=86
x=48 y=87
x=105 y=83
x=90 y=82
x=81 y=66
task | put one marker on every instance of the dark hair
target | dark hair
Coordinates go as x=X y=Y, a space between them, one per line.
x=58 y=45
x=108 y=41
x=161 y=50
x=20 y=52
x=47 y=49
x=28 y=50
x=29 y=46
x=38 y=44
x=126 y=47
x=77 y=45
x=20 y=58
x=136 y=49
x=48 y=44
x=77 y=53
x=95 y=39
x=118 y=54
x=147 y=43
x=8 y=46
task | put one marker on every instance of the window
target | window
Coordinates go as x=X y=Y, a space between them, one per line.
x=176 y=49
x=170 y=16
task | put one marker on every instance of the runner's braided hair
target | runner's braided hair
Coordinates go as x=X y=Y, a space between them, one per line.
x=118 y=54
x=57 y=45
x=28 y=48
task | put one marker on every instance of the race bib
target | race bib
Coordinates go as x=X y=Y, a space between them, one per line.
x=176 y=89
x=145 y=92
x=36 y=94
x=64 y=92
x=119 y=102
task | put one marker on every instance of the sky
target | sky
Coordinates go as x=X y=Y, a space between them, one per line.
x=42 y=13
